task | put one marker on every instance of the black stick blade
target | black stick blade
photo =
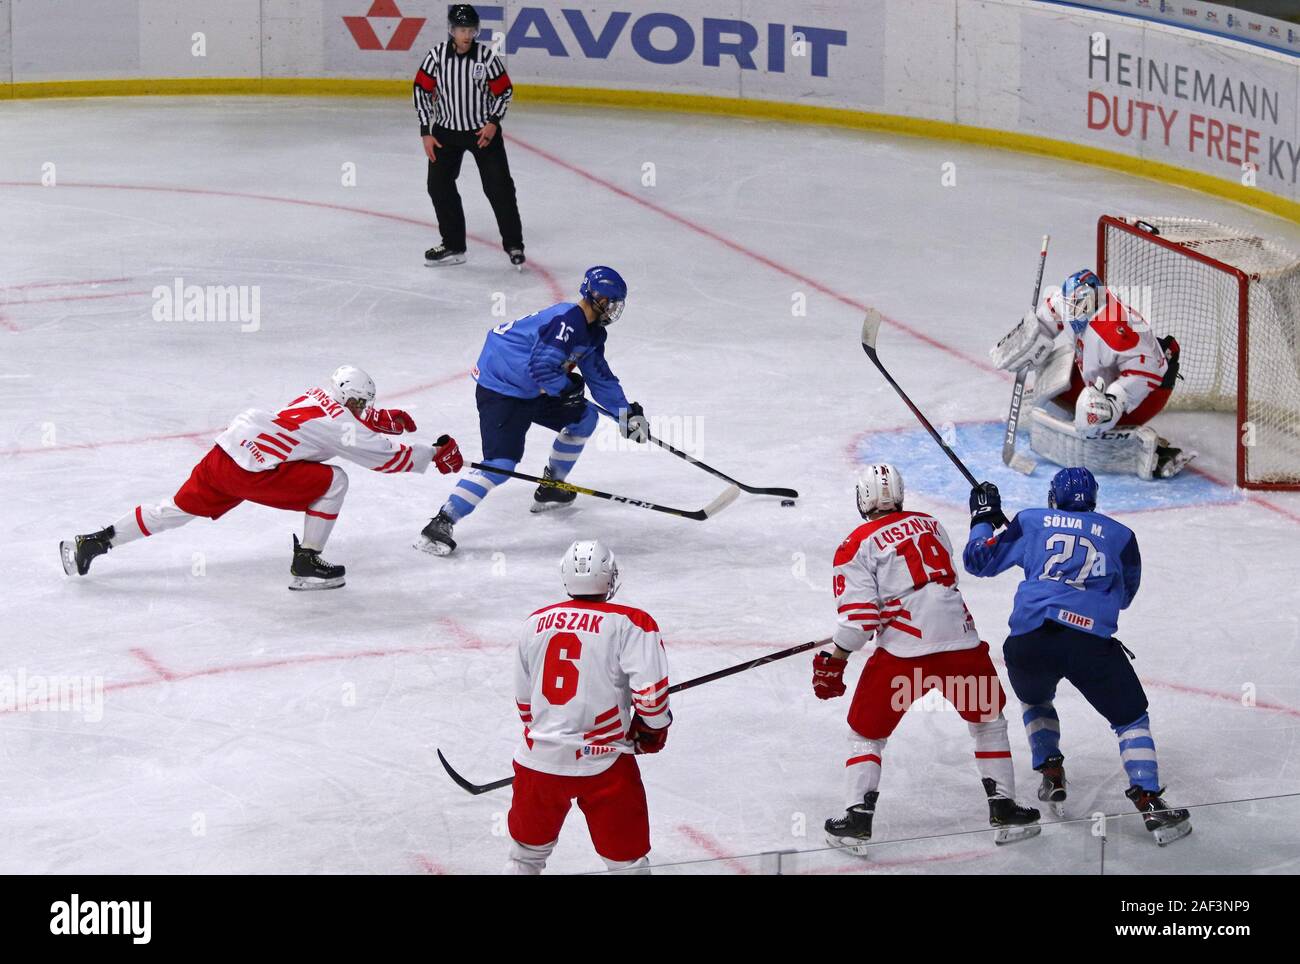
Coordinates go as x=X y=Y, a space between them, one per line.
x=468 y=787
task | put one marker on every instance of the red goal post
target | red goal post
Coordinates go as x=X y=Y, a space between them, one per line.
x=1232 y=299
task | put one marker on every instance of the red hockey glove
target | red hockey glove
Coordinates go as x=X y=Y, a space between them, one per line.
x=644 y=738
x=446 y=455
x=389 y=421
x=828 y=676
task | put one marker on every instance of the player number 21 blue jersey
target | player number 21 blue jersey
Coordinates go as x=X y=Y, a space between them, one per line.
x=1081 y=568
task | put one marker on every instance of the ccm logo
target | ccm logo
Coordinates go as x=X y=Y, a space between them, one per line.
x=1074 y=619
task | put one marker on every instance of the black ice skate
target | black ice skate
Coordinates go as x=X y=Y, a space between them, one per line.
x=853 y=830
x=435 y=538
x=310 y=571
x=1170 y=461
x=78 y=553
x=441 y=255
x=548 y=497
x=1052 y=790
x=517 y=257
x=1012 y=821
x=1165 y=823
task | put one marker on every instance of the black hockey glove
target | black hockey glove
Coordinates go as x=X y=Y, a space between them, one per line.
x=986 y=505
x=634 y=424
x=573 y=397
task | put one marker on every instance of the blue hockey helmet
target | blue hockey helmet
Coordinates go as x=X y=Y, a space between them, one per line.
x=1081 y=293
x=1074 y=489
x=606 y=283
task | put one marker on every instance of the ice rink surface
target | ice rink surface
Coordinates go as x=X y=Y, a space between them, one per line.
x=248 y=729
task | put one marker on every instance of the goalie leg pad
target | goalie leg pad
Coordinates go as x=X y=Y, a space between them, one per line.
x=1129 y=449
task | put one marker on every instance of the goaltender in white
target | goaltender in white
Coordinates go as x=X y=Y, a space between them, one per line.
x=1108 y=368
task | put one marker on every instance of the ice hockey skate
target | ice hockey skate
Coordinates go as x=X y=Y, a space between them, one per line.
x=1165 y=823
x=79 y=552
x=852 y=831
x=1012 y=822
x=435 y=538
x=310 y=571
x=548 y=497
x=440 y=256
x=1052 y=788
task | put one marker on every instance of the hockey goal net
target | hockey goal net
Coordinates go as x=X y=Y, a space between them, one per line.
x=1233 y=302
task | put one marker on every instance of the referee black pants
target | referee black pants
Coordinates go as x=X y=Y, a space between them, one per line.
x=498 y=185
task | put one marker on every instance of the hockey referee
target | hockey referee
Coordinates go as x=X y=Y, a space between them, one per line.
x=461 y=94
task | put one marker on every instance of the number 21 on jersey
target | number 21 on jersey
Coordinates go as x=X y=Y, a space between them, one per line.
x=1061 y=562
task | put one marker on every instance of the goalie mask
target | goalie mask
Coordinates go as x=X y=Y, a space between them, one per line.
x=589 y=568
x=1073 y=489
x=880 y=489
x=1081 y=296
x=350 y=384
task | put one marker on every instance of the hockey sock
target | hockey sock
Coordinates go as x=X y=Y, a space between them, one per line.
x=993 y=754
x=569 y=443
x=527 y=860
x=862 y=769
x=1138 y=751
x=639 y=866
x=318 y=521
x=473 y=489
x=145 y=520
x=1043 y=728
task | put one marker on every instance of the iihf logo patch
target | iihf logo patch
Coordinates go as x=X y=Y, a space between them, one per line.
x=480 y=72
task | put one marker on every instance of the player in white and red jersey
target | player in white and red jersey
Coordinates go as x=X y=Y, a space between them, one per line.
x=591 y=686
x=1122 y=377
x=277 y=459
x=894 y=581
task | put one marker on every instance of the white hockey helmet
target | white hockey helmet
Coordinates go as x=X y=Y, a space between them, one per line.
x=880 y=489
x=350 y=383
x=589 y=568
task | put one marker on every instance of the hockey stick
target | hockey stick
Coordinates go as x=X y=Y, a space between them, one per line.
x=870 y=328
x=1022 y=463
x=727 y=497
x=477 y=788
x=751 y=489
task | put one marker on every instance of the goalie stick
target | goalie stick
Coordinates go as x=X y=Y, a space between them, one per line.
x=477 y=788
x=727 y=497
x=1022 y=463
x=751 y=489
x=870 y=328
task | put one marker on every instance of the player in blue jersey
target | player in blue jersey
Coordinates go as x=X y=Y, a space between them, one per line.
x=1081 y=568
x=526 y=377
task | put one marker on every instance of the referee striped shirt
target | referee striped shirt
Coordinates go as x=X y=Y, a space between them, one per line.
x=461 y=92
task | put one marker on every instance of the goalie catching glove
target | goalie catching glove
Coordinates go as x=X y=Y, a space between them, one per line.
x=1098 y=409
